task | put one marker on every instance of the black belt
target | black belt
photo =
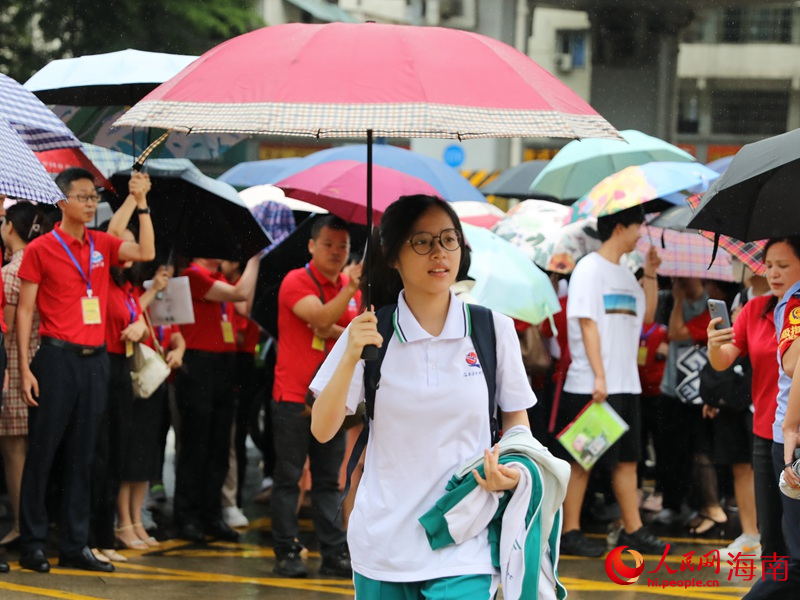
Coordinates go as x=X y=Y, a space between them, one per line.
x=76 y=348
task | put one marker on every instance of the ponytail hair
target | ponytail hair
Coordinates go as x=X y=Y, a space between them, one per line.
x=27 y=219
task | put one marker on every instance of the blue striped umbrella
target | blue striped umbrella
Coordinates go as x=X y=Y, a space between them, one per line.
x=36 y=124
x=21 y=173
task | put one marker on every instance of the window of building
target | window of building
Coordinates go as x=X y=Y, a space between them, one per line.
x=688 y=112
x=741 y=25
x=745 y=112
x=571 y=46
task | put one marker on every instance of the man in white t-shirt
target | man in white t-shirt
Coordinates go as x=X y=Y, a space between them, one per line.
x=605 y=311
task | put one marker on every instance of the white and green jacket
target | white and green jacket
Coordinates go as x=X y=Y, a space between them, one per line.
x=524 y=525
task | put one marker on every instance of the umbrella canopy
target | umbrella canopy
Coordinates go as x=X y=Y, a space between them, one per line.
x=95 y=125
x=685 y=254
x=253 y=196
x=751 y=254
x=341 y=187
x=21 y=174
x=580 y=165
x=672 y=182
x=56 y=161
x=260 y=172
x=341 y=79
x=449 y=183
x=114 y=79
x=481 y=214
x=36 y=124
x=519 y=289
x=755 y=198
x=516 y=181
x=196 y=215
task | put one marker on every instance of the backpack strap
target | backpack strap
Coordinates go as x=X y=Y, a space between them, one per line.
x=372 y=376
x=484 y=338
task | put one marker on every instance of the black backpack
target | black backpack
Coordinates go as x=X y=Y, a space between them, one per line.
x=483 y=338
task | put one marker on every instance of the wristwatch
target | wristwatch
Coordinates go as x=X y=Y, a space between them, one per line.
x=143 y=211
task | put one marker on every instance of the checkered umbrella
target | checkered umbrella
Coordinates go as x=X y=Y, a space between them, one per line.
x=36 y=124
x=685 y=254
x=21 y=173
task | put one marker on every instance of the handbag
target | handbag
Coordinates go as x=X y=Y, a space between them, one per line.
x=148 y=367
x=535 y=356
x=729 y=389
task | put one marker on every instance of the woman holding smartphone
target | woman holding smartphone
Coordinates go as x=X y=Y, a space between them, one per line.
x=782 y=261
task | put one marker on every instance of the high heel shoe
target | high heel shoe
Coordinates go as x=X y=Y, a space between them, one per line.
x=131 y=542
x=141 y=533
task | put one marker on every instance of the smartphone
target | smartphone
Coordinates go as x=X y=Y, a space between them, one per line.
x=717 y=308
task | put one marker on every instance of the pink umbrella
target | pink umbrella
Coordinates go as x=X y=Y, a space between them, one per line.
x=341 y=187
x=480 y=214
x=685 y=254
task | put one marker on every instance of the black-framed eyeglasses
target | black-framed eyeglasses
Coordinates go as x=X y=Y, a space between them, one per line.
x=422 y=242
x=84 y=198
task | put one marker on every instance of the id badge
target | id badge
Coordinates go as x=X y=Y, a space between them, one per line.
x=128 y=348
x=90 y=309
x=227 y=332
x=318 y=344
x=642 y=359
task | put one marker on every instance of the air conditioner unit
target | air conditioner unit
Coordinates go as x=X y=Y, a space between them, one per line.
x=564 y=62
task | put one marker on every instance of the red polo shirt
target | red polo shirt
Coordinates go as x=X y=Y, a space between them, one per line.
x=247 y=334
x=61 y=286
x=123 y=309
x=754 y=335
x=297 y=360
x=652 y=372
x=205 y=333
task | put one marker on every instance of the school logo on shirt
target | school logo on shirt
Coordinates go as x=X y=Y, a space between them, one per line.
x=97 y=259
x=794 y=316
x=472 y=360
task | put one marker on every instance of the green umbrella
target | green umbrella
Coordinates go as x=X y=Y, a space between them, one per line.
x=506 y=280
x=582 y=164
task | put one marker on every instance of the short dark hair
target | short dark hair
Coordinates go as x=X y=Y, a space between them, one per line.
x=793 y=241
x=67 y=176
x=329 y=221
x=388 y=239
x=26 y=219
x=607 y=223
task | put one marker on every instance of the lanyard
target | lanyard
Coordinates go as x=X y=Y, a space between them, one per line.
x=646 y=336
x=88 y=279
x=130 y=302
x=224 y=311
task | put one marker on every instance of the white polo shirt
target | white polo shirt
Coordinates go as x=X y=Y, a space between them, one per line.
x=431 y=416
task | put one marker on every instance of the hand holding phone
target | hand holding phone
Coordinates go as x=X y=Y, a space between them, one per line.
x=717 y=308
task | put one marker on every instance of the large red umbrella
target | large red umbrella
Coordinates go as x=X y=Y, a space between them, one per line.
x=340 y=186
x=56 y=161
x=346 y=80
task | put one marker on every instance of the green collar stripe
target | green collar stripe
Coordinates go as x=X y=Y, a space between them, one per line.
x=468 y=319
x=397 y=329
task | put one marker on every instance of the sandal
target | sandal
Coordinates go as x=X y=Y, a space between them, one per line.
x=100 y=556
x=131 y=541
x=110 y=555
x=145 y=537
x=707 y=526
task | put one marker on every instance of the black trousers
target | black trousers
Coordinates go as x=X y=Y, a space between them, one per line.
x=245 y=395
x=110 y=451
x=769 y=508
x=205 y=399
x=293 y=443
x=72 y=398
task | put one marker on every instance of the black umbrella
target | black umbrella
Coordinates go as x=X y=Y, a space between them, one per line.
x=516 y=181
x=291 y=253
x=755 y=198
x=197 y=216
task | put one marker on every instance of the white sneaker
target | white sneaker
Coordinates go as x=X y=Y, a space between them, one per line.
x=266 y=483
x=234 y=517
x=745 y=544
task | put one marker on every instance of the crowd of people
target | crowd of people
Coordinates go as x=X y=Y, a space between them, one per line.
x=74 y=435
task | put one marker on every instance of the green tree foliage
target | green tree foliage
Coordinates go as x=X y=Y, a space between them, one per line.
x=33 y=32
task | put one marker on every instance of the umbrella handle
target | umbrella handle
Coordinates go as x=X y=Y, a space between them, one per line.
x=369 y=352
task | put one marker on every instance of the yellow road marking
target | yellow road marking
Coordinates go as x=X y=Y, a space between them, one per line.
x=27 y=589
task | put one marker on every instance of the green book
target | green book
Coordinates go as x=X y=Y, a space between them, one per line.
x=596 y=428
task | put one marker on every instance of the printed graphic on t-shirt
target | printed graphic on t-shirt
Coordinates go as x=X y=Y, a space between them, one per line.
x=473 y=365
x=619 y=304
x=690 y=362
x=97 y=259
x=790 y=329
